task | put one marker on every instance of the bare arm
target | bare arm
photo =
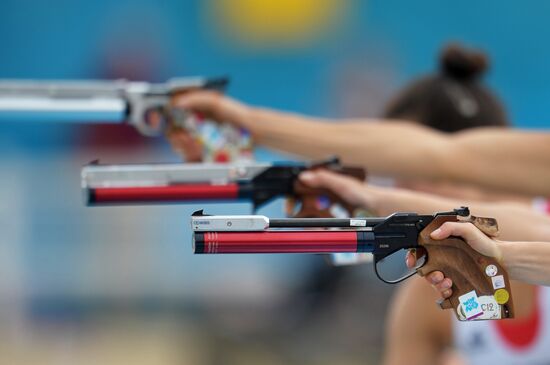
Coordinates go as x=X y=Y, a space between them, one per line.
x=516 y=221
x=361 y=142
x=526 y=251
x=492 y=157
x=525 y=261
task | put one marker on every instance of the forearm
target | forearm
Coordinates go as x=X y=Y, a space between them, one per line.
x=499 y=158
x=393 y=149
x=492 y=157
x=527 y=261
x=516 y=221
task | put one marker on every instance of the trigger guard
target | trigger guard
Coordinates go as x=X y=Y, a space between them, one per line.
x=144 y=130
x=140 y=124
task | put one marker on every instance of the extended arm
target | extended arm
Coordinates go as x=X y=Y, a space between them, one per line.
x=525 y=261
x=492 y=157
x=516 y=221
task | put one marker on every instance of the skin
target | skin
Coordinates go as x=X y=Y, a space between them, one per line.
x=522 y=250
x=462 y=191
x=525 y=261
x=418 y=332
x=399 y=149
x=516 y=221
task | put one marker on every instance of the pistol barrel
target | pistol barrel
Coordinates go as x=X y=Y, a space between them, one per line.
x=283 y=242
x=161 y=194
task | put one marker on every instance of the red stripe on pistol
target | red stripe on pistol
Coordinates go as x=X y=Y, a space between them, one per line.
x=164 y=193
x=279 y=242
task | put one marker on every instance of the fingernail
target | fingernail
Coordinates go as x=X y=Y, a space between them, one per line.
x=436 y=232
x=446 y=284
x=435 y=279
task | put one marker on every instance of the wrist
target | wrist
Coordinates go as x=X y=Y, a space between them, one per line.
x=249 y=115
x=502 y=253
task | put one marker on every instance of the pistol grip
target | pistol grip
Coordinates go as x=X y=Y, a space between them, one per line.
x=308 y=199
x=481 y=288
x=309 y=208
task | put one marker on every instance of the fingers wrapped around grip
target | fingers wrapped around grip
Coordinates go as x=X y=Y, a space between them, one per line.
x=467 y=268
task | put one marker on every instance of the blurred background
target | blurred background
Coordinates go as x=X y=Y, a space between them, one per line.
x=120 y=285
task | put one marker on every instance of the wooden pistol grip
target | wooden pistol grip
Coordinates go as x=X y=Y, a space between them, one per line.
x=472 y=273
x=357 y=172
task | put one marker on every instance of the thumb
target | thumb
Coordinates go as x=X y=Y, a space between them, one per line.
x=347 y=188
x=469 y=233
x=197 y=100
x=326 y=179
x=217 y=107
x=465 y=230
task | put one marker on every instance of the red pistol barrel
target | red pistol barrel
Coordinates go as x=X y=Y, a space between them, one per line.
x=319 y=241
x=175 y=193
